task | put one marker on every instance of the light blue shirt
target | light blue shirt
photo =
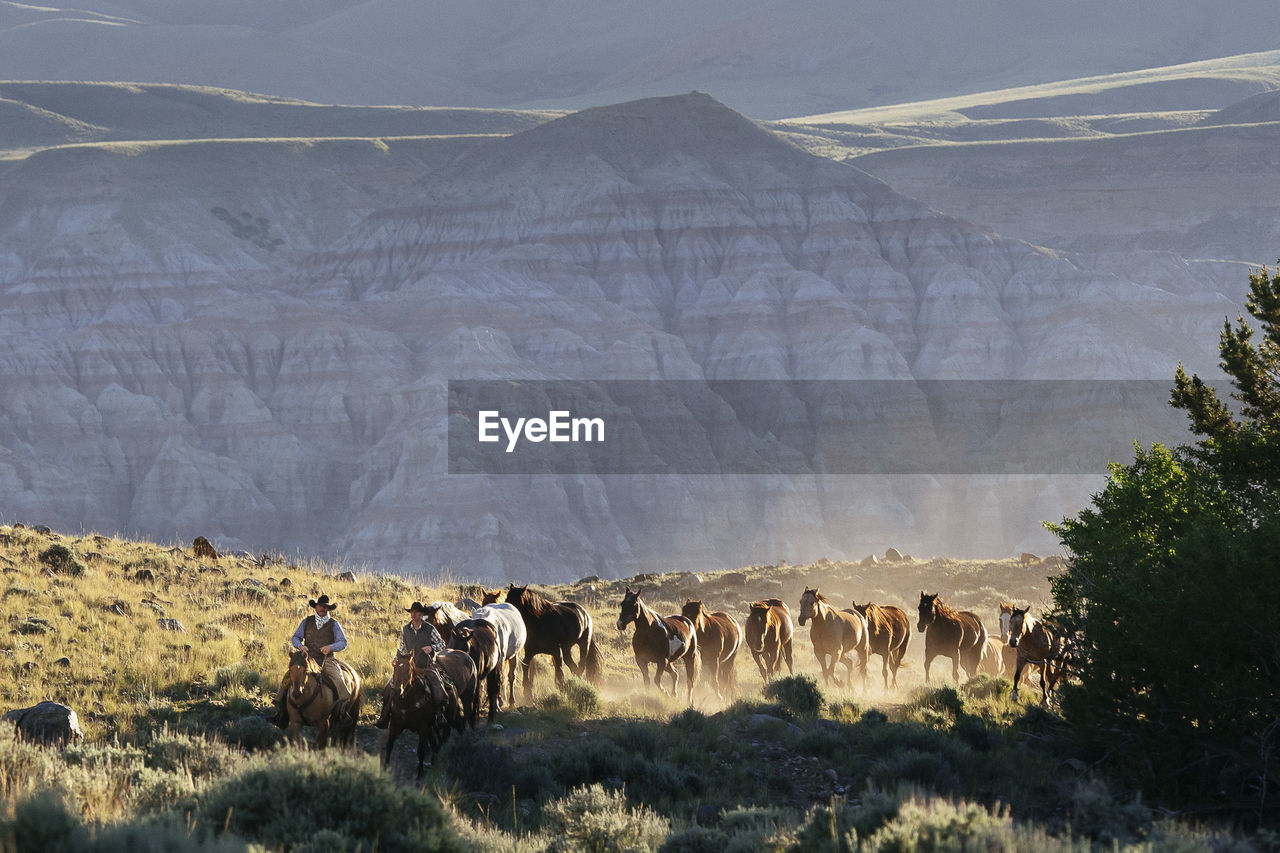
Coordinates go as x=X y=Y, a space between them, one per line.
x=339 y=637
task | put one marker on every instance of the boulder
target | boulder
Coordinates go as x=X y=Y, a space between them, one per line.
x=1027 y=558
x=349 y=577
x=893 y=555
x=49 y=723
x=204 y=549
x=734 y=578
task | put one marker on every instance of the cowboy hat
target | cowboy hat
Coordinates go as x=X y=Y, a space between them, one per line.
x=417 y=605
x=323 y=601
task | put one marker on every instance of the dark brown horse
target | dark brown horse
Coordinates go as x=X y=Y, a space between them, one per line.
x=310 y=701
x=890 y=631
x=478 y=640
x=444 y=616
x=835 y=633
x=555 y=629
x=660 y=640
x=719 y=638
x=418 y=702
x=768 y=635
x=956 y=634
x=1037 y=646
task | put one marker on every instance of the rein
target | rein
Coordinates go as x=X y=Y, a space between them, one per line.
x=315 y=694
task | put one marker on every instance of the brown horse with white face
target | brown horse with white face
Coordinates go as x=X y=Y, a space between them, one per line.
x=660 y=640
x=719 y=638
x=768 y=636
x=1037 y=646
x=956 y=634
x=835 y=633
x=890 y=634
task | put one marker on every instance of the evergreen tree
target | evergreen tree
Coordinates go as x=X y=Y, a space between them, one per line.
x=1172 y=594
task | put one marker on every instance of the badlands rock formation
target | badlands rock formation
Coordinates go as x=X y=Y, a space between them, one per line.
x=251 y=340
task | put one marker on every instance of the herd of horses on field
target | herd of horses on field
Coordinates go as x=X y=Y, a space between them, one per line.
x=432 y=694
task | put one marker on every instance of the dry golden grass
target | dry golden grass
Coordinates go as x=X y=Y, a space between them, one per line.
x=121 y=668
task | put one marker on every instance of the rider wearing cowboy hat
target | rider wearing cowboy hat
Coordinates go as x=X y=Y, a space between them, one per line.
x=416 y=634
x=322 y=637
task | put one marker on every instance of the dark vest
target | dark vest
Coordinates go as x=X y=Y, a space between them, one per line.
x=314 y=638
x=424 y=638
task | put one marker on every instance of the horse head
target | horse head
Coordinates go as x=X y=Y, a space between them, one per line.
x=928 y=610
x=1018 y=621
x=401 y=673
x=494 y=596
x=1006 y=614
x=421 y=661
x=515 y=595
x=695 y=613
x=757 y=621
x=301 y=666
x=461 y=639
x=808 y=605
x=630 y=611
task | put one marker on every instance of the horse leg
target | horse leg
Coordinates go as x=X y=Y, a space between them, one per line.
x=786 y=651
x=691 y=673
x=322 y=733
x=557 y=657
x=493 y=684
x=528 y=676
x=511 y=681
x=393 y=732
x=1017 y=675
x=675 y=679
x=884 y=670
x=955 y=666
x=760 y=659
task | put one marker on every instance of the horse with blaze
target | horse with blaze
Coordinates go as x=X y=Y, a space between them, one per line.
x=660 y=640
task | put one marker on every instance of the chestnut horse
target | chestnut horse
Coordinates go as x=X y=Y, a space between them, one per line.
x=660 y=640
x=310 y=701
x=768 y=635
x=719 y=638
x=835 y=633
x=1008 y=652
x=890 y=634
x=956 y=634
x=555 y=629
x=1038 y=646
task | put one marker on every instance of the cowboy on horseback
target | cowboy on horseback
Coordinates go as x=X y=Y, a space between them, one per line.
x=416 y=634
x=322 y=637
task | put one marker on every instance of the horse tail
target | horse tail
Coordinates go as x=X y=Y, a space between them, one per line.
x=592 y=663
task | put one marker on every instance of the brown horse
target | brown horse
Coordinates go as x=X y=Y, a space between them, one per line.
x=890 y=631
x=719 y=637
x=1038 y=646
x=444 y=616
x=768 y=635
x=660 y=640
x=959 y=635
x=478 y=640
x=493 y=596
x=555 y=628
x=835 y=633
x=311 y=701
x=418 y=705
x=1008 y=653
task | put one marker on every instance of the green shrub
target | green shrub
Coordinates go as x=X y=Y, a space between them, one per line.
x=799 y=695
x=62 y=560
x=597 y=820
x=236 y=675
x=583 y=697
x=288 y=796
x=42 y=821
x=695 y=839
x=200 y=757
x=253 y=733
x=34 y=625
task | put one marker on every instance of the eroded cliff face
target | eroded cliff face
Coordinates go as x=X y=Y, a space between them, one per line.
x=251 y=341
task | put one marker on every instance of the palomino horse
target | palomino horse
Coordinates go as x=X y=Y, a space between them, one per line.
x=478 y=639
x=768 y=635
x=1038 y=646
x=555 y=629
x=835 y=633
x=959 y=635
x=310 y=701
x=417 y=701
x=719 y=637
x=1009 y=653
x=992 y=662
x=890 y=634
x=660 y=640
x=444 y=616
x=508 y=624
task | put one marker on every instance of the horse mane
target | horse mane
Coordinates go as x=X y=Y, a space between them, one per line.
x=537 y=603
x=817 y=596
x=949 y=613
x=877 y=618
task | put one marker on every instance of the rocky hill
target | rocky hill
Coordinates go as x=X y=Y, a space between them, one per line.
x=250 y=339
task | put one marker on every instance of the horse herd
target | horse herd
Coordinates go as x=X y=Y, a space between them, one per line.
x=432 y=694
